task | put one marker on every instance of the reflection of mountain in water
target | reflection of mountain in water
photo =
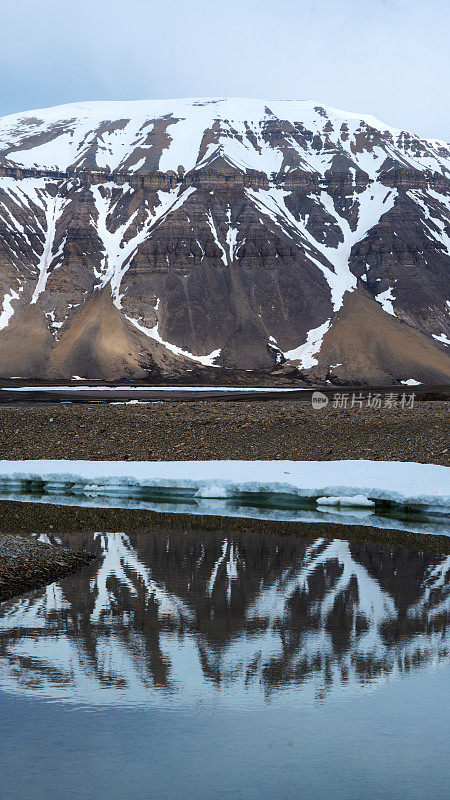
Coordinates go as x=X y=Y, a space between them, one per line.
x=184 y=616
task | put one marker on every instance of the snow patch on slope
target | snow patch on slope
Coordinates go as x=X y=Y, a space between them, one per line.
x=385 y=299
x=213 y=228
x=442 y=338
x=437 y=226
x=53 y=209
x=7 y=309
x=241 y=136
x=153 y=333
x=373 y=202
x=305 y=353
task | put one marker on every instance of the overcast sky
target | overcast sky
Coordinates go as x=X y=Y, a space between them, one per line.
x=386 y=57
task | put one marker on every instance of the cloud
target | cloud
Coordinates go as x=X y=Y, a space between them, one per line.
x=387 y=57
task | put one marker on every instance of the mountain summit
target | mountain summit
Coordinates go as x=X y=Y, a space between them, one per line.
x=155 y=238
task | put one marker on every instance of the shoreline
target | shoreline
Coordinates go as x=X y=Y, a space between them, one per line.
x=27 y=564
x=18 y=392
x=31 y=518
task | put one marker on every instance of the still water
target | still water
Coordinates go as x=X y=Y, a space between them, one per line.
x=209 y=664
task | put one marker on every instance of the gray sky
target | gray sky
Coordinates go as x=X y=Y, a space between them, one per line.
x=386 y=57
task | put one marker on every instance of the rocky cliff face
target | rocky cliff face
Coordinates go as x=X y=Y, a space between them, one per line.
x=164 y=238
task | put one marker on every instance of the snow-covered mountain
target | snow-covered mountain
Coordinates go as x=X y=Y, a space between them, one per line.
x=151 y=238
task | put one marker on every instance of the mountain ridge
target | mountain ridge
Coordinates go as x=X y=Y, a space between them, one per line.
x=224 y=235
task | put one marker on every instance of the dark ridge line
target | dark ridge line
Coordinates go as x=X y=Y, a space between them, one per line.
x=235 y=177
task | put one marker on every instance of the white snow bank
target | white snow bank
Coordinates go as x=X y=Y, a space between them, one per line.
x=132 y=388
x=401 y=483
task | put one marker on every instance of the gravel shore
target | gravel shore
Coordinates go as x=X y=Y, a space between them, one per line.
x=26 y=564
x=279 y=429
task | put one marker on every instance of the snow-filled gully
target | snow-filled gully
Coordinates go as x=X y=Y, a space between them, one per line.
x=119 y=252
x=373 y=202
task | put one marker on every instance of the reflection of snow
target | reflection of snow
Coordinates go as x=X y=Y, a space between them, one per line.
x=231 y=565
x=120 y=562
x=213 y=577
x=436 y=595
x=421 y=522
x=373 y=602
x=130 y=640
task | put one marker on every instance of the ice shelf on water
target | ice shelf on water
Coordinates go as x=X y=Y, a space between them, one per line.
x=424 y=486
